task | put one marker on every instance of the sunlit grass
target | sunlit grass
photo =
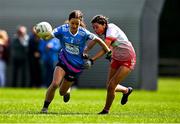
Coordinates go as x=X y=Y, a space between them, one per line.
x=23 y=106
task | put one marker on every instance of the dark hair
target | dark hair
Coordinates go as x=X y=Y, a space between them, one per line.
x=77 y=14
x=100 y=19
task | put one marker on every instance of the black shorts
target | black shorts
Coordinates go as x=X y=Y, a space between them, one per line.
x=70 y=76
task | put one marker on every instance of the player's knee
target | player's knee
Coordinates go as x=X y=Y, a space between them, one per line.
x=55 y=85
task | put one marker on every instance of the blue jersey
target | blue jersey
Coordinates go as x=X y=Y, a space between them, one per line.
x=72 y=46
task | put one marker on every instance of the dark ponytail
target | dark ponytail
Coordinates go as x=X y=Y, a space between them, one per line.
x=100 y=19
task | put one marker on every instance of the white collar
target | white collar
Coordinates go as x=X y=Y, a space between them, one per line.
x=75 y=33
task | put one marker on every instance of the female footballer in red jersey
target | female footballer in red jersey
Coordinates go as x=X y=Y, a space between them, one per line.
x=123 y=58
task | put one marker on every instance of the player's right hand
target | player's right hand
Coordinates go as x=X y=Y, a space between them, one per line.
x=85 y=56
x=88 y=64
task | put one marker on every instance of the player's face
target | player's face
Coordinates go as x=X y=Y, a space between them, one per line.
x=74 y=24
x=98 y=28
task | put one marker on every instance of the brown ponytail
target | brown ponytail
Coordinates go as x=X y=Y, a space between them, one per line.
x=78 y=15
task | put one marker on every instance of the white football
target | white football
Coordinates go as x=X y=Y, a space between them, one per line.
x=43 y=28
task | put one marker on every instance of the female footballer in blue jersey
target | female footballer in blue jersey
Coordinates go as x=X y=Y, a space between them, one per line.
x=73 y=38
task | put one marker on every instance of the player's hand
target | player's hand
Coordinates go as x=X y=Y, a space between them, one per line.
x=85 y=56
x=88 y=64
x=108 y=55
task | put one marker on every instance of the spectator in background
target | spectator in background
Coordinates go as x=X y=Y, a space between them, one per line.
x=19 y=49
x=49 y=56
x=4 y=56
x=34 y=60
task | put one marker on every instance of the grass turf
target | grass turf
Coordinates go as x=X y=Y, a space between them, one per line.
x=161 y=106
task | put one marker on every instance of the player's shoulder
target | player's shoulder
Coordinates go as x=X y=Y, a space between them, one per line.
x=62 y=28
x=65 y=25
x=112 y=26
x=83 y=31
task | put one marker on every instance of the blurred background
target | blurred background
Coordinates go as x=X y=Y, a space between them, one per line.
x=151 y=25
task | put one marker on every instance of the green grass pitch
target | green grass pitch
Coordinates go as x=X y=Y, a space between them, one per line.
x=161 y=106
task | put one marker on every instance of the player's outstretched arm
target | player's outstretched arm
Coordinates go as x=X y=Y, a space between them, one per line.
x=102 y=44
x=102 y=51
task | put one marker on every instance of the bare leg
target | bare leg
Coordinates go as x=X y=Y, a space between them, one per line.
x=65 y=87
x=119 y=76
x=57 y=79
x=119 y=87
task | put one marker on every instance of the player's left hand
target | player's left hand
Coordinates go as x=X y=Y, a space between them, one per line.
x=88 y=64
x=108 y=55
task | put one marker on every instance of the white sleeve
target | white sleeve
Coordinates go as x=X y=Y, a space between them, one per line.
x=111 y=32
x=115 y=32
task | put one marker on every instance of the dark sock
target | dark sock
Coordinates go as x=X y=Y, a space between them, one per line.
x=46 y=104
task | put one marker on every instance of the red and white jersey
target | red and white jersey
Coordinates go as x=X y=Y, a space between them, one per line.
x=122 y=49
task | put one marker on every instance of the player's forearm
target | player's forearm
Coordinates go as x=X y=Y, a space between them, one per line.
x=89 y=46
x=102 y=44
x=98 y=55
